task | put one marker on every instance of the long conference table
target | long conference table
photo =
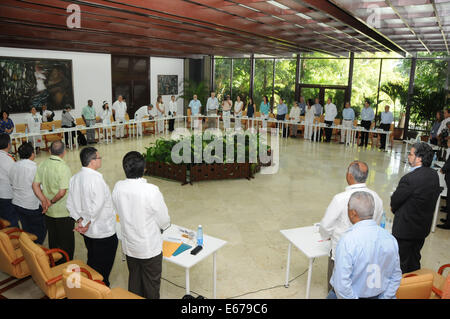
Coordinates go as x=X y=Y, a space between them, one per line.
x=107 y=128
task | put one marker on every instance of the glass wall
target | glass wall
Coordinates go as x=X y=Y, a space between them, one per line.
x=241 y=79
x=222 y=72
x=285 y=81
x=324 y=71
x=263 y=80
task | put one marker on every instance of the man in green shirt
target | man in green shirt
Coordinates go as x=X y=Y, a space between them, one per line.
x=51 y=185
x=89 y=116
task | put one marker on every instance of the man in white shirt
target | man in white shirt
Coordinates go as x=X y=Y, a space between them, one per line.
x=212 y=105
x=27 y=205
x=143 y=216
x=336 y=222
x=294 y=115
x=443 y=124
x=119 y=110
x=47 y=116
x=7 y=210
x=330 y=115
x=89 y=203
x=385 y=124
x=140 y=114
x=172 y=112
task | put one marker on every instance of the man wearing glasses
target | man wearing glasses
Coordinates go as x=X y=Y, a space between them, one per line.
x=90 y=205
x=413 y=204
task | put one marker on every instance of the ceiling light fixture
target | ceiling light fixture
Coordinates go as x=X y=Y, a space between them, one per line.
x=279 y=5
x=250 y=8
x=304 y=16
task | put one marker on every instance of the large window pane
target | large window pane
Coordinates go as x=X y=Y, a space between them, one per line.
x=263 y=80
x=222 y=73
x=241 y=78
x=285 y=81
x=324 y=71
x=365 y=83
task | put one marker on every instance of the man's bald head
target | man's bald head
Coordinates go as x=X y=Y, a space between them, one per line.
x=357 y=172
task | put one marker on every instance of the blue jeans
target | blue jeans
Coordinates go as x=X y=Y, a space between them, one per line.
x=33 y=221
x=332 y=295
x=8 y=212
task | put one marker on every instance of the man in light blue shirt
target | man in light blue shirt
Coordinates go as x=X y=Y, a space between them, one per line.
x=367 y=262
x=282 y=110
x=302 y=106
x=385 y=124
x=348 y=116
x=367 y=116
x=212 y=105
x=195 y=106
x=89 y=117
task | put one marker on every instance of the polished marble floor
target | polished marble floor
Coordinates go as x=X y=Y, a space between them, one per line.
x=249 y=216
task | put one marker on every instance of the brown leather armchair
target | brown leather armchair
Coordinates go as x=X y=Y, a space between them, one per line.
x=441 y=284
x=414 y=286
x=87 y=288
x=49 y=279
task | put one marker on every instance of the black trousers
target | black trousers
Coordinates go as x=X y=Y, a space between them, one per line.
x=101 y=253
x=328 y=131
x=282 y=117
x=8 y=212
x=66 y=135
x=409 y=251
x=385 y=127
x=61 y=235
x=145 y=276
x=33 y=221
x=365 y=135
x=171 y=123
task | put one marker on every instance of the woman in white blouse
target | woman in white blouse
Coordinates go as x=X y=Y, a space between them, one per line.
x=161 y=113
x=309 y=119
x=105 y=116
x=33 y=122
x=238 y=105
x=226 y=111
x=294 y=115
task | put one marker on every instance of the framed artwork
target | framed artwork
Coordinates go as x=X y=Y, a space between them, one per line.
x=167 y=84
x=27 y=82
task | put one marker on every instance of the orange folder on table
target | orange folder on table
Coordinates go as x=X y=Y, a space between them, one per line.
x=169 y=247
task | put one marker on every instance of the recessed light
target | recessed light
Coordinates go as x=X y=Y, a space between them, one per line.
x=250 y=8
x=304 y=16
x=279 y=5
x=278 y=18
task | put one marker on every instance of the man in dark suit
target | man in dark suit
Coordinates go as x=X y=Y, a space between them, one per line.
x=446 y=170
x=413 y=204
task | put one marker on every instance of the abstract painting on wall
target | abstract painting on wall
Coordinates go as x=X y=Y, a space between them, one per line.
x=167 y=84
x=27 y=82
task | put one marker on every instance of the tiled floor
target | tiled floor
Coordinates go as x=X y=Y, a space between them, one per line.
x=249 y=216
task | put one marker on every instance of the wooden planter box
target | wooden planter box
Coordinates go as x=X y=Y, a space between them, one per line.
x=203 y=172
x=177 y=172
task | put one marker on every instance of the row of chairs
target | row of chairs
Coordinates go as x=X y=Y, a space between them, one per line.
x=245 y=123
x=21 y=258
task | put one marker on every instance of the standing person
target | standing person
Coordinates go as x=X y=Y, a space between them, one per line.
x=226 y=111
x=251 y=107
x=367 y=262
x=212 y=105
x=330 y=115
x=294 y=115
x=385 y=124
x=302 y=106
x=143 y=215
x=446 y=170
x=6 y=124
x=33 y=123
x=119 y=110
x=105 y=117
x=195 y=106
x=413 y=204
x=318 y=111
x=335 y=222
x=89 y=203
x=139 y=115
x=282 y=110
x=238 y=106
x=7 y=210
x=348 y=116
x=50 y=185
x=47 y=115
x=161 y=113
x=172 y=112
x=433 y=133
x=367 y=116
x=27 y=205
x=67 y=121
x=264 y=108
x=309 y=120
x=89 y=117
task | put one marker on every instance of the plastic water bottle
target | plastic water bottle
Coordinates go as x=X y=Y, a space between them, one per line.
x=53 y=127
x=383 y=221
x=200 y=235
x=434 y=159
x=26 y=129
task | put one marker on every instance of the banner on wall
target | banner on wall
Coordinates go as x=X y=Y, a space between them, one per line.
x=27 y=82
